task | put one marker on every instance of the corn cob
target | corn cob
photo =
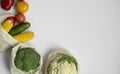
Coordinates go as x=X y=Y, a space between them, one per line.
x=7 y=25
x=24 y=37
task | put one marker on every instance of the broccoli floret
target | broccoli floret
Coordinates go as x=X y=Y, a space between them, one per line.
x=29 y=59
x=18 y=63
x=20 y=54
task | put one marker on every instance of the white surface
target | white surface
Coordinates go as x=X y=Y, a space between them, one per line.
x=89 y=29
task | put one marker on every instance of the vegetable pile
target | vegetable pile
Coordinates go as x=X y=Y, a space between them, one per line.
x=25 y=59
x=16 y=25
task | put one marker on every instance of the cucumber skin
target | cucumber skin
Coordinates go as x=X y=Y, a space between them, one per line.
x=19 y=28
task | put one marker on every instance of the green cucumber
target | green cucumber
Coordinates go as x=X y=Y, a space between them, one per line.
x=19 y=28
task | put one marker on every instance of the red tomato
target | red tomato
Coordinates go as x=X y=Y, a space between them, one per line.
x=12 y=18
x=20 y=18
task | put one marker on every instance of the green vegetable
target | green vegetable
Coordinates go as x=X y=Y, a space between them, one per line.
x=27 y=59
x=68 y=58
x=62 y=59
x=19 y=28
x=49 y=68
x=18 y=63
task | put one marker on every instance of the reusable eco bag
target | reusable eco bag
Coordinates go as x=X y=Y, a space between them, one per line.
x=6 y=40
x=14 y=69
x=53 y=67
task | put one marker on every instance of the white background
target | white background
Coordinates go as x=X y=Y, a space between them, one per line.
x=89 y=29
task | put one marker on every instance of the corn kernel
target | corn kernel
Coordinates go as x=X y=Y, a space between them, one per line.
x=24 y=37
x=7 y=25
